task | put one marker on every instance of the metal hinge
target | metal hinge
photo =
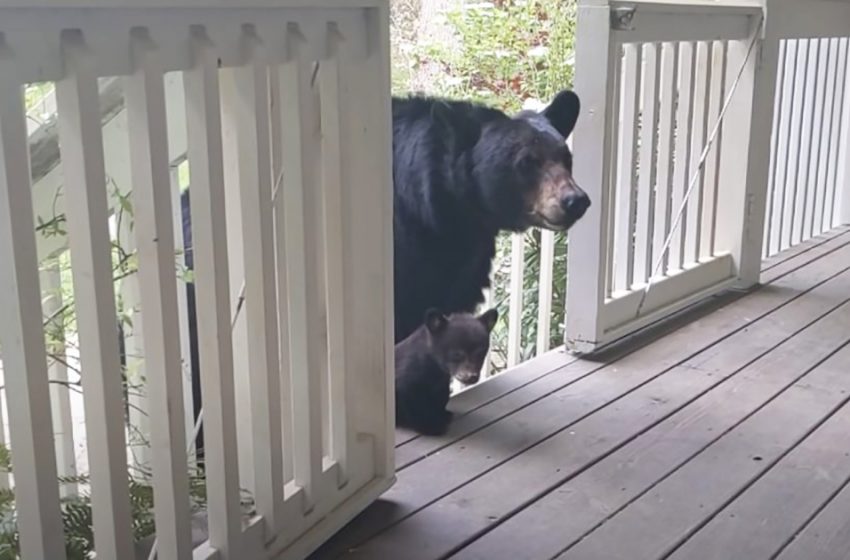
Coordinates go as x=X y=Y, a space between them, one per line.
x=621 y=18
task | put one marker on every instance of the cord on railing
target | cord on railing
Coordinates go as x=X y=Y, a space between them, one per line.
x=698 y=171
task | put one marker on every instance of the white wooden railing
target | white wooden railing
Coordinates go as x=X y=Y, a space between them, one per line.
x=680 y=195
x=297 y=393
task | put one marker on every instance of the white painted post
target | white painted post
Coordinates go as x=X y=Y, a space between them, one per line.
x=87 y=211
x=145 y=98
x=745 y=176
x=596 y=60
x=22 y=336
x=544 y=292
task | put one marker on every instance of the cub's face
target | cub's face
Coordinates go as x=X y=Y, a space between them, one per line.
x=460 y=342
x=525 y=169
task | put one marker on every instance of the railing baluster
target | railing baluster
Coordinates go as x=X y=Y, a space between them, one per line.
x=333 y=163
x=682 y=155
x=699 y=134
x=648 y=165
x=250 y=112
x=544 y=293
x=802 y=205
x=624 y=255
x=515 y=301
x=280 y=265
x=86 y=207
x=814 y=192
x=716 y=96
x=666 y=131
x=823 y=131
x=22 y=337
x=840 y=199
x=613 y=102
x=776 y=138
x=209 y=240
x=839 y=111
x=147 y=122
x=60 y=401
x=301 y=141
x=791 y=179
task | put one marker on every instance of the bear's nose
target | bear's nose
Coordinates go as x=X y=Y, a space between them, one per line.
x=575 y=204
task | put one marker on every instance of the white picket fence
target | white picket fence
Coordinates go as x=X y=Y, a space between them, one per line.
x=297 y=400
x=654 y=78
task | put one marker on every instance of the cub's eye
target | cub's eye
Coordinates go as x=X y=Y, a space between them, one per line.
x=527 y=160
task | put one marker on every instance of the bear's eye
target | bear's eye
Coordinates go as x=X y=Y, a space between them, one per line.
x=527 y=160
x=456 y=356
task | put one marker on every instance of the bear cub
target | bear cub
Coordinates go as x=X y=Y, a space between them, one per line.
x=445 y=346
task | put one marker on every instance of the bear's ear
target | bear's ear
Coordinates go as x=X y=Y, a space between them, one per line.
x=489 y=318
x=457 y=129
x=563 y=112
x=435 y=321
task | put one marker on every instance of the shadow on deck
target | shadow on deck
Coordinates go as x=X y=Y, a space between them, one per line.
x=722 y=434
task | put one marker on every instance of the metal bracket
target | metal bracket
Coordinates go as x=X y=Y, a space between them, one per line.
x=621 y=18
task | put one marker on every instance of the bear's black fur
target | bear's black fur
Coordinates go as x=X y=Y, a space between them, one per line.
x=443 y=347
x=462 y=172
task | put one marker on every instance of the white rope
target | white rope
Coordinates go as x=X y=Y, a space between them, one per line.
x=712 y=137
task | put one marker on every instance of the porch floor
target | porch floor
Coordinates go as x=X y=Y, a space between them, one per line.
x=722 y=434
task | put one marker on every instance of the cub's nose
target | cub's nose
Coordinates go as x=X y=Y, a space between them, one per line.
x=575 y=204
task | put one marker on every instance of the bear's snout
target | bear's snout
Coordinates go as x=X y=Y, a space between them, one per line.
x=575 y=203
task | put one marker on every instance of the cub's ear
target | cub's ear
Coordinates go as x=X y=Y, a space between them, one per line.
x=489 y=318
x=435 y=321
x=563 y=112
x=457 y=128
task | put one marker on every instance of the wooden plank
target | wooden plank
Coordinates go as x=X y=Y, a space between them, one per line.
x=146 y=118
x=599 y=491
x=827 y=535
x=212 y=294
x=624 y=217
x=22 y=336
x=684 y=114
x=667 y=124
x=647 y=175
x=759 y=522
x=703 y=486
x=87 y=212
x=463 y=475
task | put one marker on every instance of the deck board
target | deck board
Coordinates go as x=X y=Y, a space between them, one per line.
x=534 y=463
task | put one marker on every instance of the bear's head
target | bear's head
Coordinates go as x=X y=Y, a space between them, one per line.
x=524 y=169
x=459 y=342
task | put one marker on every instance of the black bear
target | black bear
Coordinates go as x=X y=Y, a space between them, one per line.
x=462 y=172
x=444 y=347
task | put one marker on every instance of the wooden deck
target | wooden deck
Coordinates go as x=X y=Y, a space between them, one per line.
x=724 y=434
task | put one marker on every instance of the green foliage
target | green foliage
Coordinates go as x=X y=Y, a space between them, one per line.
x=504 y=53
